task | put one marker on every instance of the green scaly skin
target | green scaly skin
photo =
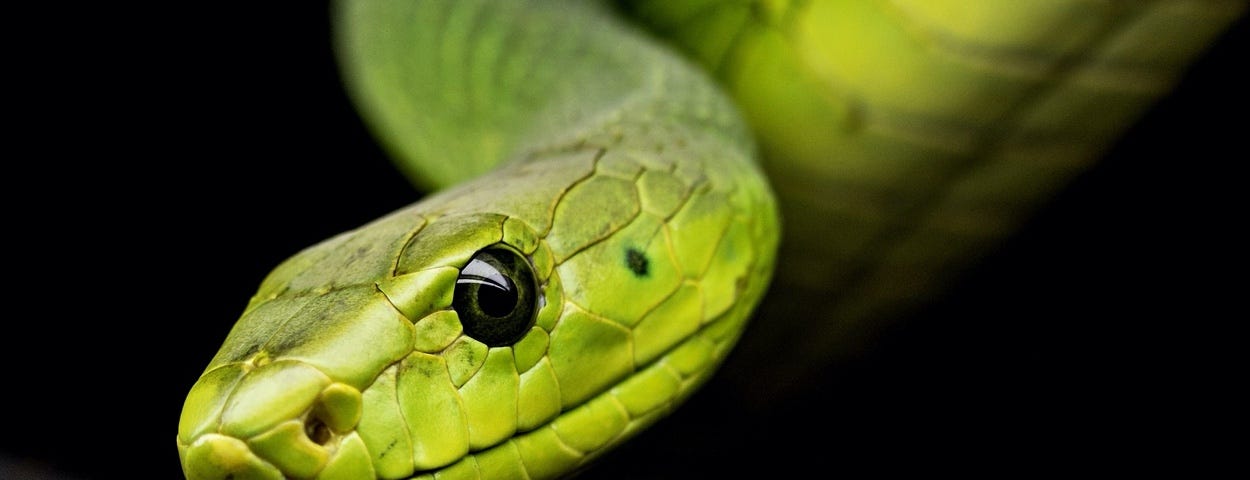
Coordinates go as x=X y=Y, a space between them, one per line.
x=903 y=137
x=619 y=172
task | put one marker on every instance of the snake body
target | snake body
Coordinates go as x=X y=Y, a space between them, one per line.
x=604 y=223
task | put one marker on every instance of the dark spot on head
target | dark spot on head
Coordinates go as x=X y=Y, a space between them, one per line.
x=636 y=261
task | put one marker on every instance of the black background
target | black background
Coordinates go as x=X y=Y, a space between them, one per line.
x=162 y=162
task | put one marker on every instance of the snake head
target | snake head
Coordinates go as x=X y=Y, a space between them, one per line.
x=488 y=335
x=390 y=350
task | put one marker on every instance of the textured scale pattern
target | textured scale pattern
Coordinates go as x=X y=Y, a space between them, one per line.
x=650 y=231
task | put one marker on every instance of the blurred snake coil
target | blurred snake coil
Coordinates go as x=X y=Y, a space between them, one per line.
x=620 y=188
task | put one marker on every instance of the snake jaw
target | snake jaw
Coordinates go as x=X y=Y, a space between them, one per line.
x=216 y=456
x=281 y=420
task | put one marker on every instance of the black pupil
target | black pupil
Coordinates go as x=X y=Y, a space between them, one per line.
x=496 y=300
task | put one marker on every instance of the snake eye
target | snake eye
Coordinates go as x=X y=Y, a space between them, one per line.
x=495 y=296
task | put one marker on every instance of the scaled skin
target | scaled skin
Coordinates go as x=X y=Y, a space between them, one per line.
x=905 y=139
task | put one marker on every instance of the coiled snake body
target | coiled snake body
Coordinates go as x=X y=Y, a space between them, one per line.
x=606 y=221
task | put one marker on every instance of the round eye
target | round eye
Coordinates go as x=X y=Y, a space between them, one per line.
x=495 y=296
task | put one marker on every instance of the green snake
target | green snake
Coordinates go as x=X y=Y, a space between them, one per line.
x=608 y=218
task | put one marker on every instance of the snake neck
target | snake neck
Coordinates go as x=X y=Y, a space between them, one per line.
x=456 y=89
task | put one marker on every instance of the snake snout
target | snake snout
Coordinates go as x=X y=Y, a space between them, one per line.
x=283 y=419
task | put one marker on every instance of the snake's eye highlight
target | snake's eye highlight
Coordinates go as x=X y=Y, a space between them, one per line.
x=495 y=296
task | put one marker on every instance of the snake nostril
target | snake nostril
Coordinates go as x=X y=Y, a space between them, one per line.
x=317 y=431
